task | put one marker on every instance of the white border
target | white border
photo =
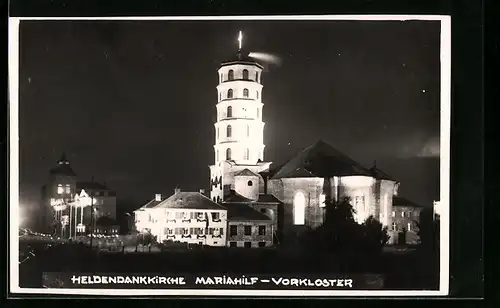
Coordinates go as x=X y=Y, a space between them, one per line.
x=444 y=164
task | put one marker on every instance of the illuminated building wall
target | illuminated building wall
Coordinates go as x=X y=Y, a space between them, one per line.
x=187 y=217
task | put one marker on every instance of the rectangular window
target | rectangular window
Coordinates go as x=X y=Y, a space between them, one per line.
x=221 y=231
x=179 y=215
x=248 y=230
x=233 y=230
x=403 y=214
x=185 y=231
x=393 y=213
x=262 y=230
x=248 y=244
x=262 y=244
x=232 y=244
x=215 y=216
x=409 y=226
x=394 y=226
x=60 y=189
x=68 y=189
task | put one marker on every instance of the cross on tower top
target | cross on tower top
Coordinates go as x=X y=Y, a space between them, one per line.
x=240 y=40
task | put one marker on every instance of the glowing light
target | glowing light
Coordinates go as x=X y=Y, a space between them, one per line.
x=240 y=40
x=83 y=200
x=266 y=57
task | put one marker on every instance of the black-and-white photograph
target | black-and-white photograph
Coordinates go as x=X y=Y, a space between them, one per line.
x=230 y=156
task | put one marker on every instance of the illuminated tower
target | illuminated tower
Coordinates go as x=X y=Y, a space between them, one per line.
x=239 y=129
x=59 y=191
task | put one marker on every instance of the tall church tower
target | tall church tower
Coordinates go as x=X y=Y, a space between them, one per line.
x=239 y=129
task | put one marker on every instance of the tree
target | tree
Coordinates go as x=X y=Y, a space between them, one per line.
x=375 y=235
x=340 y=233
x=428 y=231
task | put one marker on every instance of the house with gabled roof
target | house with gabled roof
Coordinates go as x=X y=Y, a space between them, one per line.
x=188 y=217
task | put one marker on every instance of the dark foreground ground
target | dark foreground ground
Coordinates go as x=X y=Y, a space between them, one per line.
x=412 y=270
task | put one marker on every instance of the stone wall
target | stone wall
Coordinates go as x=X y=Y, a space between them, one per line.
x=377 y=196
x=271 y=211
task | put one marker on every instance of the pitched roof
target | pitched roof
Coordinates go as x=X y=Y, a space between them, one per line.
x=235 y=197
x=189 y=200
x=379 y=174
x=245 y=172
x=63 y=167
x=268 y=198
x=91 y=186
x=263 y=198
x=400 y=201
x=150 y=204
x=320 y=160
x=240 y=211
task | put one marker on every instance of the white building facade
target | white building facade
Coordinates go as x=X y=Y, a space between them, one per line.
x=187 y=217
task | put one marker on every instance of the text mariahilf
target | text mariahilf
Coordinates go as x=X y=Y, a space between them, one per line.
x=299 y=282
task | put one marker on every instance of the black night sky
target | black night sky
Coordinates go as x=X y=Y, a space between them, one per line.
x=133 y=102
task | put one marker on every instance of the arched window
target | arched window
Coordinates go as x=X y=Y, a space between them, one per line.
x=229 y=131
x=322 y=199
x=257 y=76
x=230 y=75
x=229 y=112
x=247 y=154
x=299 y=208
x=230 y=93
x=245 y=92
x=245 y=74
x=248 y=130
x=228 y=154
x=250 y=183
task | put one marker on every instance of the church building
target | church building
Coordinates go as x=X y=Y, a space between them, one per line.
x=299 y=186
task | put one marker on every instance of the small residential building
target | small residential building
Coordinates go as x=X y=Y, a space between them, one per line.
x=405 y=220
x=248 y=228
x=253 y=222
x=106 y=226
x=188 y=217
